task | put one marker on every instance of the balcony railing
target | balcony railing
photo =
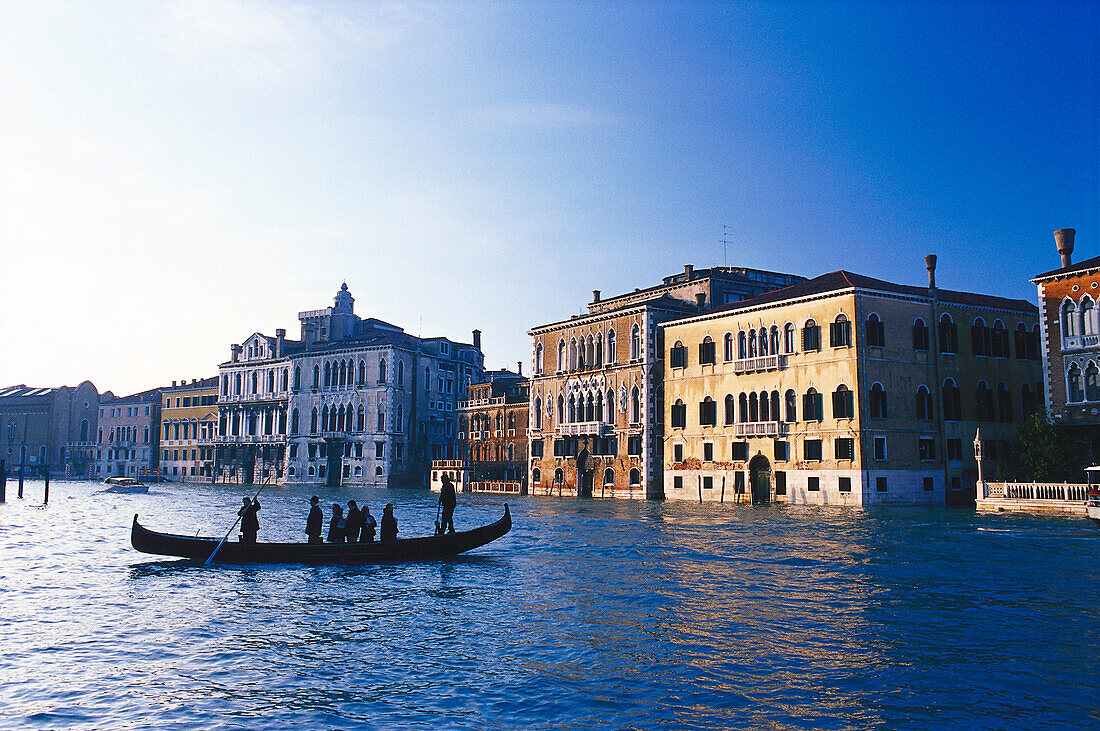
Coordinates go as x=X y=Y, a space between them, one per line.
x=583 y=428
x=251 y=439
x=760 y=428
x=1077 y=342
x=760 y=363
x=1054 y=492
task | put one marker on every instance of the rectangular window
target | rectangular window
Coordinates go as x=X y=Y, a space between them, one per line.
x=880 y=448
x=780 y=483
x=400 y=451
x=293 y=451
x=812 y=409
x=954 y=450
x=708 y=413
x=708 y=451
x=956 y=484
x=812 y=450
x=926 y=448
x=813 y=484
x=739 y=451
x=536 y=448
x=811 y=338
x=677 y=453
x=782 y=450
x=379 y=449
x=840 y=334
x=708 y=483
x=706 y=352
x=678 y=482
x=844 y=484
x=880 y=484
x=679 y=416
x=845 y=448
x=843 y=405
x=559 y=447
x=677 y=357
x=876 y=334
x=928 y=484
x=634 y=446
x=739 y=482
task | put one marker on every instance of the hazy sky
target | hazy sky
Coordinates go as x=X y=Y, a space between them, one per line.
x=177 y=175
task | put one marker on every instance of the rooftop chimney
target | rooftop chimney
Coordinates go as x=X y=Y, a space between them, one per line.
x=701 y=299
x=595 y=295
x=280 y=337
x=236 y=351
x=477 y=339
x=1063 y=238
x=173 y=384
x=519 y=367
x=930 y=263
x=689 y=269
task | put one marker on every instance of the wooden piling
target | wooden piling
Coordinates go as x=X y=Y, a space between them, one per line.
x=46 y=494
x=3 y=481
x=20 y=482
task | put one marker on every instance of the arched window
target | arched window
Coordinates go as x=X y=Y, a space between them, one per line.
x=538 y=413
x=294 y=421
x=775 y=406
x=316 y=376
x=297 y=378
x=559 y=476
x=788 y=338
x=731 y=409
x=1069 y=320
x=727 y=347
x=382 y=370
x=875 y=332
x=255 y=382
x=878 y=401
x=791 y=406
x=285 y=378
x=599 y=406
x=573 y=354
x=949 y=335
x=343 y=374
x=753 y=343
x=706 y=351
x=536 y=476
x=811 y=336
x=572 y=409
x=635 y=477
x=774 y=335
x=381 y=421
x=840 y=332
x=238 y=384
x=611 y=355
x=999 y=340
x=708 y=412
x=765 y=407
x=400 y=373
x=952 y=406
x=561 y=355
x=984 y=401
x=1004 y=403
x=843 y=407
x=399 y=421
x=1076 y=393
x=635 y=407
x=1027 y=401
x=1092 y=383
x=742 y=348
x=1088 y=317
x=599 y=350
x=763 y=341
x=920 y=335
x=611 y=405
x=538 y=359
x=980 y=338
x=679 y=415
x=83 y=430
x=313 y=422
x=363 y=373
x=328 y=374
x=635 y=343
x=561 y=409
x=743 y=408
x=754 y=407
x=609 y=476
x=924 y=403
x=360 y=419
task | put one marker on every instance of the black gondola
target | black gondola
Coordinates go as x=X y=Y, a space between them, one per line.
x=402 y=549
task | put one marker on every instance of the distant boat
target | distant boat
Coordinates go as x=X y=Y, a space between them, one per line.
x=124 y=484
x=402 y=549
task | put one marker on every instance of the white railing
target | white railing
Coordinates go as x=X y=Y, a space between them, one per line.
x=1076 y=342
x=497 y=487
x=760 y=428
x=760 y=363
x=581 y=428
x=1055 y=492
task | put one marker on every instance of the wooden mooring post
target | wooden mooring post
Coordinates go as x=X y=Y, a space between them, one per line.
x=46 y=494
x=20 y=482
x=3 y=481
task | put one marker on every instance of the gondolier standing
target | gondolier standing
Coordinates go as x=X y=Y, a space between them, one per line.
x=447 y=499
x=250 y=523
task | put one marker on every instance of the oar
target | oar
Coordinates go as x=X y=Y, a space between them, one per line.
x=226 y=538
x=439 y=515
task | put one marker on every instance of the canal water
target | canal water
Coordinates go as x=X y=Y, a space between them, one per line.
x=589 y=614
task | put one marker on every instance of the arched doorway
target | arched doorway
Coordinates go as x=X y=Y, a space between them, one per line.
x=760 y=479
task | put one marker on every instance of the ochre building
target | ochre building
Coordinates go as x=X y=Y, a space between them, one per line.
x=188 y=430
x=845 y=390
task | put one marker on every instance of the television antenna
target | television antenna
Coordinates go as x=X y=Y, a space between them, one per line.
x=726 y=240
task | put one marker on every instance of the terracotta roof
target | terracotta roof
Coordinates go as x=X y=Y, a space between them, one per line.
x=1093 y=263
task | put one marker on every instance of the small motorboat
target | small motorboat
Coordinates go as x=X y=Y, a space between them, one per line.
x=401 y=549
x=124 y=484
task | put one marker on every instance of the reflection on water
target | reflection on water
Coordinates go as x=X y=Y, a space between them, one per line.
x=589 y=613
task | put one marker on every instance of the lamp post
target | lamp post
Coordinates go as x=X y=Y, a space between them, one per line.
x=980 y=486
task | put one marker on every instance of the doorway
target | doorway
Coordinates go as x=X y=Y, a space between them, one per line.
x=760 y=479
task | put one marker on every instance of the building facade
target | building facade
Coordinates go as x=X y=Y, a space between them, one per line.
x=1069 y=298
x=595 y=390
x=354 y=401
x=51 y=428
x=845 y=390
x=188 y=428
x=128 y=435
x=492 y=427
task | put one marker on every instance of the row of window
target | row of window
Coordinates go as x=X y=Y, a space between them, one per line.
x=765 y=406
x=185 y=401
x=482 y=422
x=130 y=411
x=634 y=477
x=590 y=352
x=588 y=407
x=985 y=341
x=813 y=483
x=1091 y=389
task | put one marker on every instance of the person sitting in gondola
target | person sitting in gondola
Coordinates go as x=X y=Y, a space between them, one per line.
x=354 y=522
x=250 y=523
x=315 y=523
x=389 y=523
x=337 y=527
x=369 y=525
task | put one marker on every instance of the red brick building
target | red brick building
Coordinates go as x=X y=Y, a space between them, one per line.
x=492 y=427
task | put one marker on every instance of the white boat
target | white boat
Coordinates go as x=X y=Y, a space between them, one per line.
x=1092 y=502
x=124 y=484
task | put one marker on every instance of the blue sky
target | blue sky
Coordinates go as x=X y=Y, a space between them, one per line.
x=176 y=176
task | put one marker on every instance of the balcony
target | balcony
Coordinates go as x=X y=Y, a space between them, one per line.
x=760 y=428
x=760 y=363
x=585 y=428
x=1080 y=342
x=252 y=439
